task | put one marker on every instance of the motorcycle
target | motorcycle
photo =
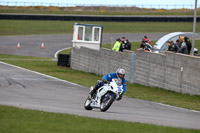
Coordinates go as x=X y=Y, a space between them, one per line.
x=105 y=96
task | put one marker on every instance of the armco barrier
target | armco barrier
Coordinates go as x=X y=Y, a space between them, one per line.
x=176 y=72
x=99 y=18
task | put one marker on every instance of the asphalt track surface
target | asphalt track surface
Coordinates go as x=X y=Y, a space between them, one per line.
x=27 y=89
x=31 y=45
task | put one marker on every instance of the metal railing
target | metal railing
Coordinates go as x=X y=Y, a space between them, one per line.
x=156 y=6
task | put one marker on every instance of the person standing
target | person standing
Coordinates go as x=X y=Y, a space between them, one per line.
x=170 y=46
x=117 y=45
x=142 y=44
x=122 y=46
x=146 y=39
x=128 y=45
x=184 y=48
x=145 y=46
x=189 y=45
x=177 y=46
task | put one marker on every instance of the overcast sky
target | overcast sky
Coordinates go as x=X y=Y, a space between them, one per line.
x=156 y=3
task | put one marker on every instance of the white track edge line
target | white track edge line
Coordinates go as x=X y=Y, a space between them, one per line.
x=55 y=55
x=41 y=74
x=176 y=107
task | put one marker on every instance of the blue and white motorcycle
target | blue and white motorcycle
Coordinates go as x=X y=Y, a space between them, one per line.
x=105 y=96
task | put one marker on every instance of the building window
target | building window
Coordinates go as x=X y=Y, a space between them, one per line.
x=80 y=33
x=96 y=34
x=88 y=33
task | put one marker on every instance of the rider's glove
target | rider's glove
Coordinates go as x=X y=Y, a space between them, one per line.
x=106 y=81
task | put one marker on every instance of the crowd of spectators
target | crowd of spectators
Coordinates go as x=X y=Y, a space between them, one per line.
x=124 y=43
x=121 y=44
x=180 y=46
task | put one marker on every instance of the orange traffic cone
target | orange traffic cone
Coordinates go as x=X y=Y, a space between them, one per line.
x=18 y=45
x=42 y=45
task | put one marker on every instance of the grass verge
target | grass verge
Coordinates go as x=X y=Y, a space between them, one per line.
x=31 y=27
x=88 y=79
x=15 y=120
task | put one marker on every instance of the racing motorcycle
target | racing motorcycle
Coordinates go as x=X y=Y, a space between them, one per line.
x=105 y=95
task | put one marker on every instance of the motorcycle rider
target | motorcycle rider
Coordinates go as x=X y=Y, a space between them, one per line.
x=119 y=74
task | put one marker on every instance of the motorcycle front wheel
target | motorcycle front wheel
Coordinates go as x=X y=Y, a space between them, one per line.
x=107 y=101
x=87 y=104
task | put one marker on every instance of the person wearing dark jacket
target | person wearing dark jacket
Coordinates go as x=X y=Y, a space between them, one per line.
x=122 y=46
x=142 y=44
x=189 y=45
x=170 y=46
x=127 y=45
x=184 y=48
x=177 y=46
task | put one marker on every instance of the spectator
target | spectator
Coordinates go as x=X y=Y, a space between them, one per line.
x=165 y=47
x=128 y=44
x=145 y=46
x=177 y=46
x=147 y=39
x=189 y=45
x=124 y=39
x=184 y=48
x=170 y=46
x=116 y=46
x=124 y=42
x=142 y=44
x=122 y=46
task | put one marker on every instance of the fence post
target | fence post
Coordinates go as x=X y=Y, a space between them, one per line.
x=132 y=68
x=181 y=78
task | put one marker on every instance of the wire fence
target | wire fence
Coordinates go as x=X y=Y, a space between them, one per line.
x=156 y=6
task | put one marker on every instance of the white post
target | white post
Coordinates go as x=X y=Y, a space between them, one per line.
x=194 y=27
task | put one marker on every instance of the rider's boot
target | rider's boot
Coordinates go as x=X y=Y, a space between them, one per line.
x=90 y=96
x=92 y=92
x=91 y=88
x=96 y=87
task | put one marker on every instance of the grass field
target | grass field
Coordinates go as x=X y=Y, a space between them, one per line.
x=15 y=120
x=30 y=27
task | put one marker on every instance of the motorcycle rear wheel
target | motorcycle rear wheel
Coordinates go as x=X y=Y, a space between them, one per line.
x=87 y=104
